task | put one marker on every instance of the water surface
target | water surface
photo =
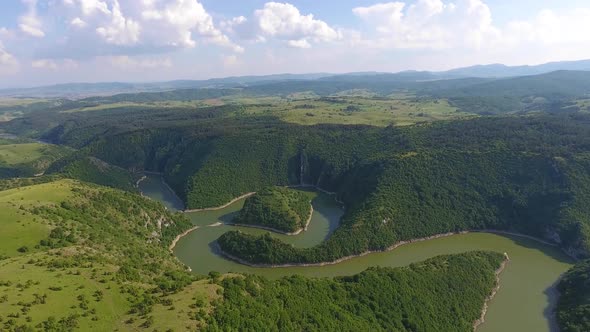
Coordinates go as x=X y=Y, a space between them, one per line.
x=154 y=187
x=524 y=302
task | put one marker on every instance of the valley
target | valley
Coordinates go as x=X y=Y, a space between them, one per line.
x=190 y=209
x=539 y=264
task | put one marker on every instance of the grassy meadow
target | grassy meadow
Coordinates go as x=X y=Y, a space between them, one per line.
x=355 y=107
x=77 y=285
x=28 y=159
x=14 y=154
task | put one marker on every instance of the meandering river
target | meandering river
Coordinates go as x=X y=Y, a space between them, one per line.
x=524 y=302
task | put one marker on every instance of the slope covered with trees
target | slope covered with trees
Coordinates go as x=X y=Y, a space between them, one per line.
x=94 y=258
x=93 y=170
x=86 y=257
x=441 y=294
x=525 y=174
x=573 y=311
x=26 y=159
x=283 y=209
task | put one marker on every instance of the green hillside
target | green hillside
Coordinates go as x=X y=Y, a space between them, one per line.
x=93 y=170
x=27 y=159
x=525 y=174
x=421 y=297
x=407 y=159
x=77 y=256
x=573 y=311
x=279 y=208
x=83 y=257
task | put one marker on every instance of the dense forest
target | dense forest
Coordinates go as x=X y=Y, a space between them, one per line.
x=93 y=170
x=573 y=311
x=514 y=155
x=279 y=208
x=427 y=296
x=519 y=173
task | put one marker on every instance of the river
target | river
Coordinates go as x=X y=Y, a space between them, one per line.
x=524 y=302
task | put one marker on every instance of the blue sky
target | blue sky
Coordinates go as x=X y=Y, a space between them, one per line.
x=57 y=41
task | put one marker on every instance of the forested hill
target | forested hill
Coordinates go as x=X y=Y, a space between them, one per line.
x=283 y=209
x=564 y=84
x=76 y=256
x=526 y=174
x=573 y=311
x=81 y=90
x=555 y=84
x=440 y=294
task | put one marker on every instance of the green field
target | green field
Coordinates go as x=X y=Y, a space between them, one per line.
x=76 y=284
x=150 y=105
x=28 y=159
x=348 y=107
x=583 y=104
x=19 y=229
x=8 y=101
x=11 y=108
x=358 y=110
x=35 y=292
x=13 y=154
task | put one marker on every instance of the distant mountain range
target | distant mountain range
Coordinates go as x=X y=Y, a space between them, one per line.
x=81 y=90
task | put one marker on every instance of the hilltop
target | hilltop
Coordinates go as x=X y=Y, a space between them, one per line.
x=283 y=209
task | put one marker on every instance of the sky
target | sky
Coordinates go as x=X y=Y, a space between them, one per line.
x=59 y=41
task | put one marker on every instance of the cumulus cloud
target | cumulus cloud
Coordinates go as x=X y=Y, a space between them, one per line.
x=29 y=23
x=549 y=27
x=78 y=22
x=8 y=63
x=284 y=22
x=177 y=22
x=89 y=7
x=119 y=30
x=146 y=26
x=430 y=24
x=420 y=34
x=301 y=43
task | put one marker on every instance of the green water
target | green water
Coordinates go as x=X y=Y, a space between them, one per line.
x=154 y=187
x=524 y=302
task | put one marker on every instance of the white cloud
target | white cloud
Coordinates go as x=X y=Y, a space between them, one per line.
x=90 y=7
x=44 y=64
x=30 y=23
x=431 y=24
x=149 y=25
x=282 y=21
x=301 y=43
x=285 y=20
x=78 y=22
x=120 y=30
x=8 y=63
x=176 y=23
x=434 y=24
x=550 y=27
x=133 y=63
x=54 y=65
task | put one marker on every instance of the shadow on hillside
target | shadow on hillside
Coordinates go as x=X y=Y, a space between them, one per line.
x=551 y=251
x=228 y=217
x=550 y=311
